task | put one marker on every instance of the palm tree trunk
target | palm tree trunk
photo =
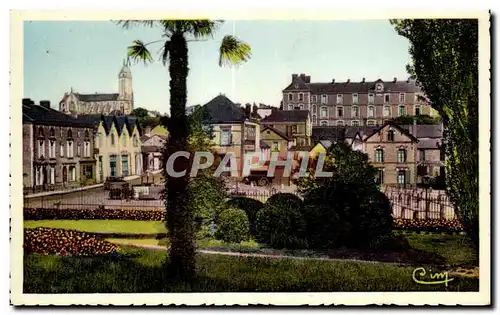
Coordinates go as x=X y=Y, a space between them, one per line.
x=179 y=216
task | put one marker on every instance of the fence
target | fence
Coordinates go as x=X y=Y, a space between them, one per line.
x=406 y=203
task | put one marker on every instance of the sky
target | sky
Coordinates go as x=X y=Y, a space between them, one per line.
x=88 y=55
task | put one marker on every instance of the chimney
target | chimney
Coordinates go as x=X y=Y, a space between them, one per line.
x=27 y=101
x=147 y=130
x=254 y=108
x=414 y=131
x=308 y=79
x=348 y=80
x=45 y=104
x=395 y=79
x=294 y=76
x=363 y=81
x=303 y=76
x=248 y=110
x=333 y=80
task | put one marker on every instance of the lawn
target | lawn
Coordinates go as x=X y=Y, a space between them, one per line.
x=140 y=270
x=102 y=226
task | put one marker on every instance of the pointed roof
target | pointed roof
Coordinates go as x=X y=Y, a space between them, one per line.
x=222 y=110
x=398 y=127
x=287 y=116
x=279 y=133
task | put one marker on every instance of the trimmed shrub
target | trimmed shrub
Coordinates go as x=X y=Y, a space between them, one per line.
x=233 y=226
x=280 y=223
x=207 y=198
x=100 y=213
x=251 y=208
x=431 y=225
x=51 y=241
x=351 y=215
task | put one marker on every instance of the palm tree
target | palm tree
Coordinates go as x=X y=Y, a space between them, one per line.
x=176 y=34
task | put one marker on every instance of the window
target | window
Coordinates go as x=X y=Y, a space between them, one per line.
x=355 y=98
x=112 y=165
x=417 y=110
x=290 y=96
x=101 y=140
x=340 y=111
x=40 y=132
x=313 y=108
x=87 y=172
x=355 y=123
x=301 y=106
x=401 y=156
x=69 y=147
x=401 y=97
x=340 y=123
x=371 y=111
x=290 y=106
x=402 y=110
x=52 y=149
x=314 y=98
x=315 y=119
x=387 y=110
x=86 y=148
x=387 y=98
x=390 y=135
x=62 y=149
x=125 y=165
x=301 y=97
x=78 y=133
x=124 y=139
x=379 y=155
x=78 y=150
x=276 y=146
x=355 y=111
x=52 y=175
x=379 y=176
x=370 y=123
x=324 y=123
x=340 y=98
x=70 y=133
x=72 y=173
x=225 y=137
x=112 y=139
x=371 y=98
x=324 y=99
x=402 y=178
x=324 y=112
x=134 y=141
x=421 y=155
x=52 y=133
x=41 y=148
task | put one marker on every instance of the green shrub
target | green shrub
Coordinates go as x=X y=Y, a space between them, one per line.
x=251 y=208
x=207 y=198
x=51 y=241
x=351 y=215
x=431 y=225
x=280 y=224
x=233 y=226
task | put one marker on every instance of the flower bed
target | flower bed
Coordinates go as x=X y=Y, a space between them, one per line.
x=428 y=225
x=100 y=213
x=50 y=241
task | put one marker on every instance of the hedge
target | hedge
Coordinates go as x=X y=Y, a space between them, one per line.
x=100 y=213
x=432 y=225
x=51 y=241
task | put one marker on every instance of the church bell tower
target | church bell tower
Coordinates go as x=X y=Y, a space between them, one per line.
x=125 y=83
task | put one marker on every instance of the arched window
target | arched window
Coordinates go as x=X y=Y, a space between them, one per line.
x=40 y=131
x=355 y=111
x=86 y=134
x=112 y=139
x=290 y=106
x=313 y=108
x=371 y=111
x=340 y=123
x=324 y=123
x=70 y=133
x=52 y=132
x=324 y=112
x=390 y=135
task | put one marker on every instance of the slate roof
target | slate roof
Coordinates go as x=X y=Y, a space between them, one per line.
x=119 y=121
x=427 y=131
x=41 y=115
x=350 y=131
x=264 y=145
x=279 y=133
x=286 y=116
x=428 y=144
x=390 y=123
x=331 y=133
x=351 y=87
x=222 y=110
x=97 y=97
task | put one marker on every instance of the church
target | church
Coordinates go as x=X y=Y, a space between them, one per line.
x=121 y=103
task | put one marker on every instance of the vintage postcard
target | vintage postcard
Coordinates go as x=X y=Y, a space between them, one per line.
x=250 y=157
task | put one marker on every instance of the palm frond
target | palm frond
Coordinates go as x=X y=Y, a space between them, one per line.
x=130 y=23
x=233 y=51
x=204 y=28
x=165 y=50
x=139 y=52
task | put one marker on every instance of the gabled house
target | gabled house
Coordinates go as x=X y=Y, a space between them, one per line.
x=233 y=131
x=58 y=149
x=118 y=146
x=296 y=125
x=393 y=151
x=152 y=148
x=276 y=140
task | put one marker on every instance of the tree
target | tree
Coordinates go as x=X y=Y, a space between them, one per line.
x=140 y=112
x=174 y=51
x=445 y=64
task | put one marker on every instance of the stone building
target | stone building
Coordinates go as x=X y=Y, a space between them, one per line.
x=121 y=103
x=365 y=103
x=296 y=125
x=58 y=149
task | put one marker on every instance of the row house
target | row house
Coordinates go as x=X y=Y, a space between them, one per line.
x=364 y=103
x=233 y=130
x=118 y=146
x=58 y=149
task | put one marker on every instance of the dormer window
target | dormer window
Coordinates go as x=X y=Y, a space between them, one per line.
x=340 y=98
x=324 y=99
x=296 y=85
x=401 y=97
x=355 y=98
x=390 y=135
x=379 y=87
